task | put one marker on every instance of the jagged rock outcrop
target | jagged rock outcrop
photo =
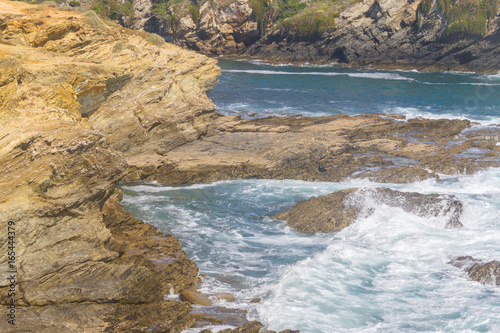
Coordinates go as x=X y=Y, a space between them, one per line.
x=335 y=211
x=220 y=30
x=83 y=264
x=212 y=27
x=334 y=148
x=389 y=34
x=383 y=33
x=119 y=105
x=485 y=273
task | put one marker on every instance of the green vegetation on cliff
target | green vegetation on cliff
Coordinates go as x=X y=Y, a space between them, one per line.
x=289 y=8
x=463 y=16
x=309 y=20
x=469 y=16
x=259 y=9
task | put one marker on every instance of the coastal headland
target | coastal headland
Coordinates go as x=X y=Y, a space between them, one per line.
x=87 y=104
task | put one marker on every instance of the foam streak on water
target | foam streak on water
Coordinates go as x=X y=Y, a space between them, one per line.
x=247 y=88
x=388 y=272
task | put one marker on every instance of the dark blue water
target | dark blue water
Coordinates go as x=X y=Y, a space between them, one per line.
x=246 y=88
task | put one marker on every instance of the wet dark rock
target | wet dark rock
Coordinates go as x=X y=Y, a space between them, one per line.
x=254 y=327
x=233 y=317
x=335 y=211
x=485 y=273
x=250 y=327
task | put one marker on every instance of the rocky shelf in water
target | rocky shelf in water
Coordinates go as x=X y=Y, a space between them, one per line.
x=335 y=211
x=485 y=273
x=382 y=148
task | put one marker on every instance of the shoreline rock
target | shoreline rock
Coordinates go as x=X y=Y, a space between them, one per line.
x=484 y=273
x=121 y=105
x=384 y=34
x=84 y=264
x=333 y=212
x=382 y=148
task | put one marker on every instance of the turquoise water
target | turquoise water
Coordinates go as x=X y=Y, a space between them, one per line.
x=246 y=88
x=388 y=272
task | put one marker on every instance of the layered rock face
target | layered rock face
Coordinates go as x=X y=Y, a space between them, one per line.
x=212 y=27
x=335 y=211
x=81 y=263
x=85 y=105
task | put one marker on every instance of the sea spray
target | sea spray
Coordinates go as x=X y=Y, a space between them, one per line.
x=387 y=272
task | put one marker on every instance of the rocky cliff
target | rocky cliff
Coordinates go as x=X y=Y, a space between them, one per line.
x=425 y=35
x=78 y=261
x=421 y=34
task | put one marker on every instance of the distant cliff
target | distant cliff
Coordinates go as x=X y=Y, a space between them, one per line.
x=422 y=34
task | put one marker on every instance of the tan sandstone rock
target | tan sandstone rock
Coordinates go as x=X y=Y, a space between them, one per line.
x=335 y=148
x=84 y=264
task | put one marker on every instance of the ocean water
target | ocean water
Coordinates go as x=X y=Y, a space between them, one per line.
x=388 y=272
x=246 y=88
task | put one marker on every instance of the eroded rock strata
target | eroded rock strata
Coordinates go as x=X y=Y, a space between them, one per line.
x=86 y=104
x=379 y=147
x=83 y=264
x=396 y=34
x=335 y=211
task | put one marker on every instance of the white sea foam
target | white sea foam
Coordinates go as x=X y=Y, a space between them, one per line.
x=377 y=76
x=493 y=77
x=460 y=83
x=155 y=188
x=387 y=272
x=273 y=89
x=286 y=64
x=415 y=113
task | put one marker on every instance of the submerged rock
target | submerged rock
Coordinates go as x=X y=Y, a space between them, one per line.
x=228 y=297
x=195 y=297
x=335 y=211
x=485 y=273
x=254 y=327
